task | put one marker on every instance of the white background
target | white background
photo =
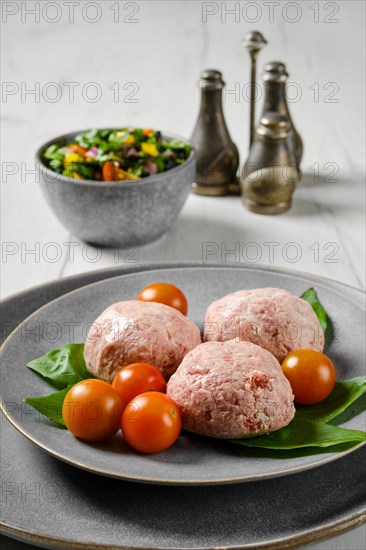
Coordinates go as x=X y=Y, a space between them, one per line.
x=155 y=50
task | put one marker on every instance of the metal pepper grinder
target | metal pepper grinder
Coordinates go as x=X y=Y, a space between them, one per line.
x=217 y=157
x=275 y=77
x=253 y=41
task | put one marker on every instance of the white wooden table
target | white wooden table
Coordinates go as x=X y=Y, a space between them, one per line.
x=100 y=64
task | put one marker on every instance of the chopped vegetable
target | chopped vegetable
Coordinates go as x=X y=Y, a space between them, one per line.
x=116 y=155
x=150 y=149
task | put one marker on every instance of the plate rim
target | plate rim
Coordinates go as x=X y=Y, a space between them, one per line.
x=176 y=482
x=321 y=533
x=151 y=265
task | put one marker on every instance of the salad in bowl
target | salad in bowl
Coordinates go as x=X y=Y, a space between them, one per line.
x=116 y=155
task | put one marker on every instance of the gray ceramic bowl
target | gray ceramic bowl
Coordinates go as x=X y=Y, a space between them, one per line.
x=117 y=213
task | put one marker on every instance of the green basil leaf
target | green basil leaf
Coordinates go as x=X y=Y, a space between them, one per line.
x=302 y=433
x=345 y=392
x=50 y=405
x=63 y=366
x=311 y=297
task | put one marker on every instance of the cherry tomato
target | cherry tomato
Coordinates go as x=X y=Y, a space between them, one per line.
x=167 y=294
x=311 y=374
x=151 y=422
x=148 y=132
x=132 y=380
x=75 y=148
x=112 y=171
x=92 y=410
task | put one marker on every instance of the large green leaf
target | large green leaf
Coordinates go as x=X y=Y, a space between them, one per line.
x=50 y=405
x=311 y=297
x=309 y=427
x=345 y=392
x=302 y=433
x=63 y=366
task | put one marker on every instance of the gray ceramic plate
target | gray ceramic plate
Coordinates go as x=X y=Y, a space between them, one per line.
x=192 y=460
x=51 y=504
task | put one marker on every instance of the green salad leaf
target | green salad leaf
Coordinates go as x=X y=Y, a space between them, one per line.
x=302 y=433
x=85 y=169
x=138 y=133
x=178 y=145
x=160 y=164
x=50 y=405
x=55 y=154
x=57 y=164
x=93 y=137
x=63 y=366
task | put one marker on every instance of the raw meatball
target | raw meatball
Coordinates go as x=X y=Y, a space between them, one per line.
x=272 y=318
x=231 y=390
x=136 y=331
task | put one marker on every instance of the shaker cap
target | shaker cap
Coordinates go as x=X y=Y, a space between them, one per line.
x=274 y=126
x=211 y=79
x=275 y=71
x=254 y=41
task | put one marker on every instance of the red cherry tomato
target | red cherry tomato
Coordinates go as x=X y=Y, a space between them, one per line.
x=167 y=294
x=92 y=410
x=132 y=380
x=151 y=422
x=311 y=374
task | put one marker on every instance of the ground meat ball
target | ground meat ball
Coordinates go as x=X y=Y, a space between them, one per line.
x=272 y=318
x=231 y=390
x=136 y=331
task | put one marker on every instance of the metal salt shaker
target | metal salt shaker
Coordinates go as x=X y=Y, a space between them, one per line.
x=217 y=156
x=275 y=77
x=270 y=173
